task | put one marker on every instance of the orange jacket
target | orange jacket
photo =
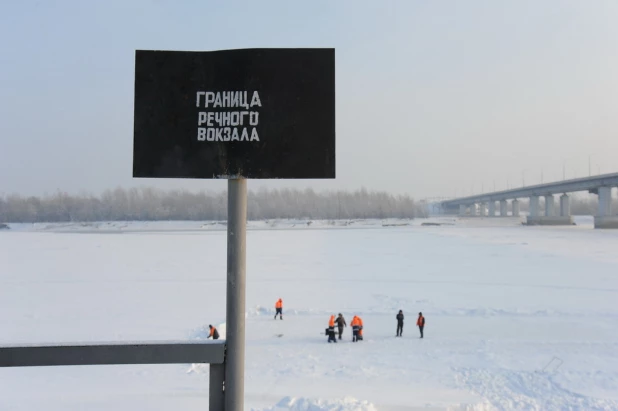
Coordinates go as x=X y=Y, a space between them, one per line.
x=359 y=322
x=212 y=332
x=279 y=304
x=331 y=322
x=420 y=321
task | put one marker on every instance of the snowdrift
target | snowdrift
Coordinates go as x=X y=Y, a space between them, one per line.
x=310 y=404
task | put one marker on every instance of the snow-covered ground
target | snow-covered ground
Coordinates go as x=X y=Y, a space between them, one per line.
x=517 y=317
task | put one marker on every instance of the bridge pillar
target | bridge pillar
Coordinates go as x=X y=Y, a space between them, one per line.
x=550 y=209
x=565 y=206
x=515 y=204
x=482 y=211
x=550 y=217
x=492 y=208
x=604 y=217
x=472 y=209
x=462 y=210
x=503 y=210
x=605 y=201
x=533 y=215
x=534 y=206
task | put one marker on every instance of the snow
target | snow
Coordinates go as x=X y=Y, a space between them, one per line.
x=517 y=317
x=200 y=226
x=305 y=404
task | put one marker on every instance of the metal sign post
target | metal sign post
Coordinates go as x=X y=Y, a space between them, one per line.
x=236 y=286
x=235 y=115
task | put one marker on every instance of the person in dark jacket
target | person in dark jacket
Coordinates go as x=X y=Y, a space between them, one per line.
x=421 y=323
x=214 y=334
x=399 y=323
x=340 y=321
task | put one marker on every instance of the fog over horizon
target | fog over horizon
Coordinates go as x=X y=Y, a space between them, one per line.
x=432 y=99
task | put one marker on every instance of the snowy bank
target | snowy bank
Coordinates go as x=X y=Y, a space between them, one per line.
x=310 y=404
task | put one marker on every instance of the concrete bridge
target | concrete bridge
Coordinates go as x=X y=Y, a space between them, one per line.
x=485 y=204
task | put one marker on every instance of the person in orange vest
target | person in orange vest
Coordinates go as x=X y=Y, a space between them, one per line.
x=355 y=328
x=421 y=323
x=330 y=331
x=214 y=334
x=360 y=329
x=279 y=309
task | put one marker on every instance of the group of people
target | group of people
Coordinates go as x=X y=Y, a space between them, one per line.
x=420 y=323
x=356 y=324
x=339 y=321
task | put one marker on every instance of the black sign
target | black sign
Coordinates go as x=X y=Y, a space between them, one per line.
x=253 y=113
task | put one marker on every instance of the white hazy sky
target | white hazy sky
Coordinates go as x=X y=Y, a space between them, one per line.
x=433 y=98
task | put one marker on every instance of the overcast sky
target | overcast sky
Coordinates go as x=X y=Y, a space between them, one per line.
x=433 y=98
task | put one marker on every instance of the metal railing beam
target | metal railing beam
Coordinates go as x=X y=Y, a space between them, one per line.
x=157 y=352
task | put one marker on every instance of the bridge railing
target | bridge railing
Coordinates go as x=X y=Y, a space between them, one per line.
x=171 y=352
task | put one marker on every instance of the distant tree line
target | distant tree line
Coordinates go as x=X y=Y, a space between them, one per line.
x=150 y=204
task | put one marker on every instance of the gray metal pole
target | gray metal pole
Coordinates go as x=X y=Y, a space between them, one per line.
x=235 y=315
x=216 y=398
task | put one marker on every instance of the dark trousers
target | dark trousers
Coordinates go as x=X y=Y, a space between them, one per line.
x=399 y=329
x=420 y=327
x=354 y=334
x=279 y=312
x=331 y=334
x=340 y=329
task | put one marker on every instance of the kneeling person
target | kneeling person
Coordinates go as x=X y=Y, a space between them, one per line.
x=214 y=334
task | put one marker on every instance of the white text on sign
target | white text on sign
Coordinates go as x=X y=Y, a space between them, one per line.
x=227 y=125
